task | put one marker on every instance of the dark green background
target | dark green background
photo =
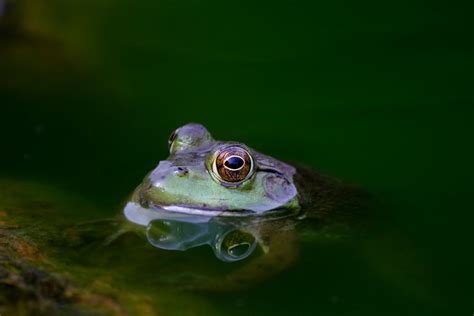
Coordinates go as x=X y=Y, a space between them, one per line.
x=376 y=93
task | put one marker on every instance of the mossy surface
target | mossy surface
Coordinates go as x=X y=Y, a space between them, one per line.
x=51 y=263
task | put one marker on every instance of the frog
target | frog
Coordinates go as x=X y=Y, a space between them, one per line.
x=233 y=198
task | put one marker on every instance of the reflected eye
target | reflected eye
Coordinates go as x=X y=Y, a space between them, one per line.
x=232 y=165
x=235 y=245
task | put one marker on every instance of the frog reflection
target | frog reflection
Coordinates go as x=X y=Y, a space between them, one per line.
x=265 y=245
x=230 y=239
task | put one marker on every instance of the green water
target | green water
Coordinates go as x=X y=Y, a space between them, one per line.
x=379 y=94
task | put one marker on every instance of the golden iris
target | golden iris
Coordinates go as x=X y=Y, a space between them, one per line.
x=233 y=165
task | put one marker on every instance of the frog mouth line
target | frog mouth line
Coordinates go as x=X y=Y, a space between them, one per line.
x=191 y=210
x=186 y=209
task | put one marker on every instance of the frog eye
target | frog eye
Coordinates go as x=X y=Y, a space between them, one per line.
x=232 y=165
x=188 y=137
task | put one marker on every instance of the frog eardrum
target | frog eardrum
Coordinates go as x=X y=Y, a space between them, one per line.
x=232 y=165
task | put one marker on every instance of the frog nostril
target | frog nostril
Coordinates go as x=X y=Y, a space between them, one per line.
x=181 y=171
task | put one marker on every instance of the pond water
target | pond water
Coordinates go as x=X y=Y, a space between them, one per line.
x=375 y=94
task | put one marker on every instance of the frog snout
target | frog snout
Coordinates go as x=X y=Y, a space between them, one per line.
x=160 y=176
x=165 y=170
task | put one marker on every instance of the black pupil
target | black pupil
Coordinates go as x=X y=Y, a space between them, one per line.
x=234 y=163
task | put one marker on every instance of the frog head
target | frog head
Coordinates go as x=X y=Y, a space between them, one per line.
x=203 y=176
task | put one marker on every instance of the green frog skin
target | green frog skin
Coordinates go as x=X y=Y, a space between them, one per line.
x=209 y=177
